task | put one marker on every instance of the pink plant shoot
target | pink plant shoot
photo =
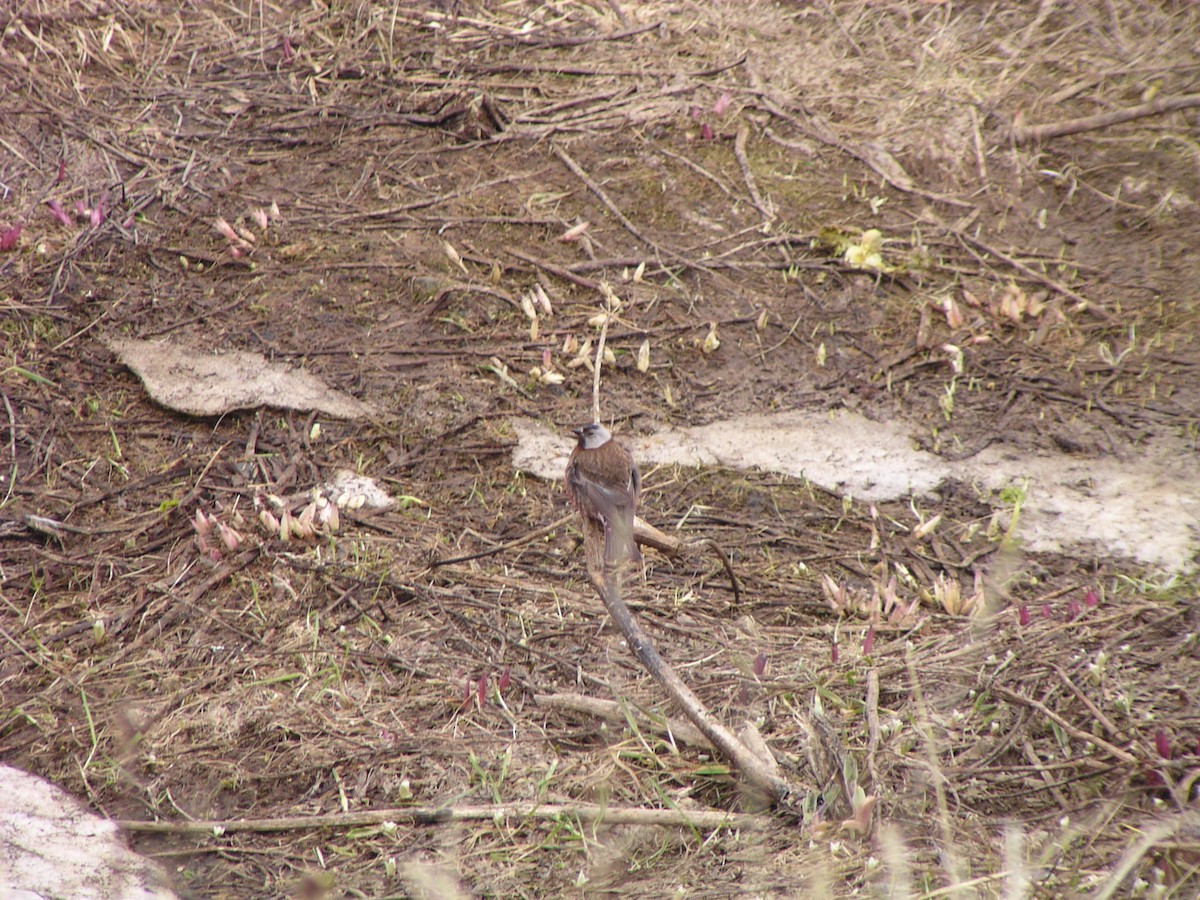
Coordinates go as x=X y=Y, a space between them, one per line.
x=9 y=237
x=226 y=231
x=760 y=664
x=1162 y=743
x=722 y=105
x=58 y=212
x=1090 y=599
x=1023 y=615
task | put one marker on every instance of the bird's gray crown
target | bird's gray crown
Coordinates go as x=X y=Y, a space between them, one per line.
x=592 y=437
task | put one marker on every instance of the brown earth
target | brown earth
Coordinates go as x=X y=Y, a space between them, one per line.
x=426 y=162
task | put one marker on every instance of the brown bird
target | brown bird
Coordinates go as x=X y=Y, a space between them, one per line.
x=603 y=484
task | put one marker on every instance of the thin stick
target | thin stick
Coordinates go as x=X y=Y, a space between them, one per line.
x=619 y=713
x=500 y=548
x=759 y=776
x=609 y=298
x=1071 y=729
x=874 y=732
x=620 y=13
x=438 y=815
x=1052 y=283
x=1023 y=134
x=595 y=188
x=592 y=186
x=739 y=150
x=12 y=446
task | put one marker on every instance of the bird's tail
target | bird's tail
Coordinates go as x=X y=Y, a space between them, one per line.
x=620 y=544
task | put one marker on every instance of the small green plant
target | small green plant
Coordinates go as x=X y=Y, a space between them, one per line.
x=491 y=781
x=1012 y=498
x=946 y=401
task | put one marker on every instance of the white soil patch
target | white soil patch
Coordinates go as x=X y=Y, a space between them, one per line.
x=1145 y=506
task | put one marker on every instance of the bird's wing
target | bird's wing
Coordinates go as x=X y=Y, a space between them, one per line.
x=613 y=507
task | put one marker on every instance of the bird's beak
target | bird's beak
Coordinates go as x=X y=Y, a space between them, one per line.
x=578 y=432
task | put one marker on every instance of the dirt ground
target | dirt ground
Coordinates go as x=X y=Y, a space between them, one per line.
x=408 y=706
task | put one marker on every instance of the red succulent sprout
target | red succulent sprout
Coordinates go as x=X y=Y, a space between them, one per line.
x=760 y=664
x=1162 y=743
x=58 y=212
x=9 y=238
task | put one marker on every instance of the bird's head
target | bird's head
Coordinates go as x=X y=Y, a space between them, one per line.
x=592 y=437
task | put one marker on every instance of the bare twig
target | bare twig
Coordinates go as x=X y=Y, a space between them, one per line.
x=181 y=608
x=739 y=150
x=1040 y=277
x=441 y=815
x=760 y=778
x=1023 y=134
x=12 y=446
x=620 y=13
x=733 y=579
x=874 y=733
x=617 y=713
x=609 y=297
x=564 y=274
x=612 y=207
x=507 y=545
x=1070 y=728
x=873 y=156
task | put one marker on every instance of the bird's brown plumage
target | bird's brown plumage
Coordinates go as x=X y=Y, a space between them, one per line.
x=603 y=483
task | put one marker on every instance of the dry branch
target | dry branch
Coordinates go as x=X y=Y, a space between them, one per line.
x=441 y=815
x=765 y=786
x=1023 y=134
x=759 y=774
x=618 y=713
x=739 y=150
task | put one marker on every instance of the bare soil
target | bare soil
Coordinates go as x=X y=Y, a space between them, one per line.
x=426 y=161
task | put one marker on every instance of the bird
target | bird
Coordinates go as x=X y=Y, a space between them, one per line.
x=603 y=484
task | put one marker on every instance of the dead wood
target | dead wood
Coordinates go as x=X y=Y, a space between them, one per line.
x=1023 y=134
x=445 y=815
x=763 y=786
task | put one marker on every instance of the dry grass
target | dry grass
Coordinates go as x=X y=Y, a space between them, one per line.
x=314 y=687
